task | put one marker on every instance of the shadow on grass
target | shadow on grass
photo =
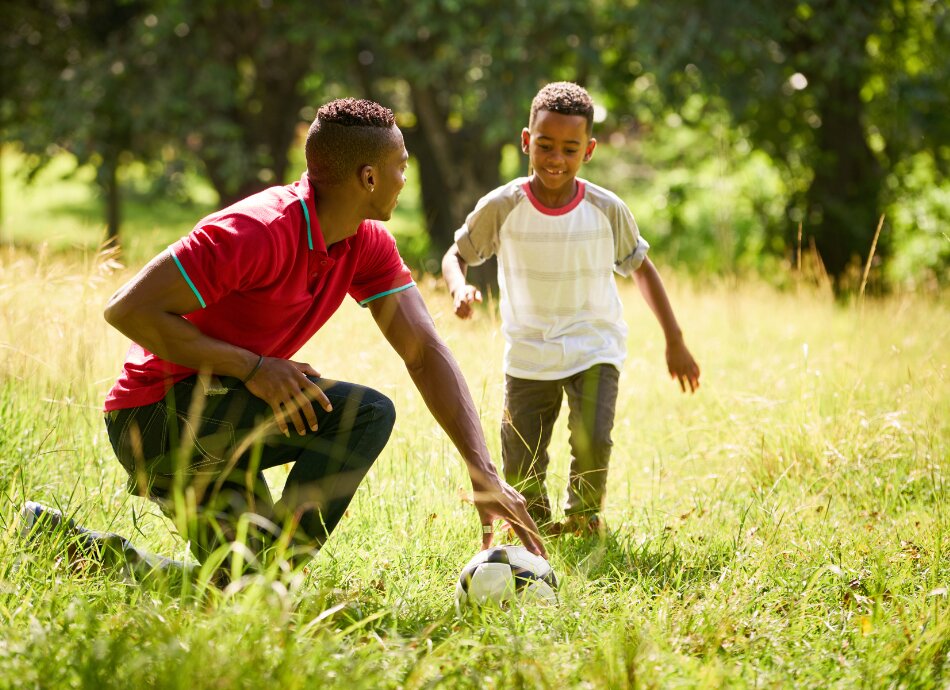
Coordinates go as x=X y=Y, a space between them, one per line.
x=659 y=563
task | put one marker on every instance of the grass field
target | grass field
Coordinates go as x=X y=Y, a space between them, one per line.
x=785 y=527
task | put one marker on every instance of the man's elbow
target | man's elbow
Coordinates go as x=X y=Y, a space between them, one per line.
x=116 y=311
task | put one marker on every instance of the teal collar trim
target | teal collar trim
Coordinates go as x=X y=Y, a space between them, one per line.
x=306 y=214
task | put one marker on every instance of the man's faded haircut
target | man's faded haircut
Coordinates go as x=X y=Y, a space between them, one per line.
x=566 y=98
x=346 y=135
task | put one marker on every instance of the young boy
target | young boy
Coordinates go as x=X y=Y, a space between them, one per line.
x=558 y=239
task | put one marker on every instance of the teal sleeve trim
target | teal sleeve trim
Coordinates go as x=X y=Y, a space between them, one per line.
x=306 y=214
x=388 y=292
x=184 y=274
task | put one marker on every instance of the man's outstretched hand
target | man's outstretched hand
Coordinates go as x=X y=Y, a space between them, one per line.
x=496 y=499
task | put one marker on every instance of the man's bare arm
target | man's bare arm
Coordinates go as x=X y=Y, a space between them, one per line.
x=405 y=321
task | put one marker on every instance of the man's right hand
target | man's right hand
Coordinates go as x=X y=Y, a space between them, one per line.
x=283 y=384
x=463 y=298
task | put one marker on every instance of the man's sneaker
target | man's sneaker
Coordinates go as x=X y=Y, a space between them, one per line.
x=35 y=517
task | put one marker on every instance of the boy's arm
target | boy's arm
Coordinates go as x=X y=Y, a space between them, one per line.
x=463 y=294
x=679 y=361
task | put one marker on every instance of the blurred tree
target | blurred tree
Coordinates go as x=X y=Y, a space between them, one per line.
x=835 y=91
x=462 y=75
x=236 y=81
x=117 y=80
x=72 y=81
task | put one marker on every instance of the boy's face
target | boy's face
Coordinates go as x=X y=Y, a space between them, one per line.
x=557 y=145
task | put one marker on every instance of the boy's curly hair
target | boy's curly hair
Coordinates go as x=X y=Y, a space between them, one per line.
x=347 y=134
x=566 y=98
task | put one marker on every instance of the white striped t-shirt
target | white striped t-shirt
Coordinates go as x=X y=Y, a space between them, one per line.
x=560 y=310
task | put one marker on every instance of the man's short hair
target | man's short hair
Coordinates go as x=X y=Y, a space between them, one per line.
x=346 y=135
x=566 y=98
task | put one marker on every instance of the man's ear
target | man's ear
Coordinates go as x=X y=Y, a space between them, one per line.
x=525 y=140
x=591 y=145
x=368 y=177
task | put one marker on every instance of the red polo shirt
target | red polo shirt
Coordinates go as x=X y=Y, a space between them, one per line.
x=260 y=284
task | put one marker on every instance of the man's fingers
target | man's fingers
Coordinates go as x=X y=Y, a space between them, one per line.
x=527 y=532
x=296 y=416
x=314 y=392
x=530 y=538
x=279 y=418
x=501 y=501
x=307 y=369
x=488 y=535
x=306 y=407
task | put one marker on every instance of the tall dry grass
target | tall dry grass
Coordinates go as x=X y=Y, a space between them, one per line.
x=786 y=526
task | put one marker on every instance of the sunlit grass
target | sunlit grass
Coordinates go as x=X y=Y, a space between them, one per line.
x=786 y=526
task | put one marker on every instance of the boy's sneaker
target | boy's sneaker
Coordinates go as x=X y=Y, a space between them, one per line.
x=581 y=525
x=35 y=517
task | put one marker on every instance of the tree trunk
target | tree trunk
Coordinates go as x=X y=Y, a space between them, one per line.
x=843 y=196
x=456 y=170
x=2 y=234
x=257 y=157
x=109 y=183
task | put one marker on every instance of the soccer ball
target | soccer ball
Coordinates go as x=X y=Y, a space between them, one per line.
x=503 y=574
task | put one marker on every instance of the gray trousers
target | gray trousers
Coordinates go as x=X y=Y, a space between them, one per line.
x=531 y=409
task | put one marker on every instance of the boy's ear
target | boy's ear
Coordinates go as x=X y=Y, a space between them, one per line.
x=525 y=140
x=591 y=145
x=368 y=177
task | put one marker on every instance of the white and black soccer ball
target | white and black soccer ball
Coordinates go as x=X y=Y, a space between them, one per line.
x=503 y=574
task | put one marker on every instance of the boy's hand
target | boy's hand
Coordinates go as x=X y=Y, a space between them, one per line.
x=681 y=365
x=463 y=298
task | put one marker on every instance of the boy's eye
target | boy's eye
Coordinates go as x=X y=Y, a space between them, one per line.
x=570 y=152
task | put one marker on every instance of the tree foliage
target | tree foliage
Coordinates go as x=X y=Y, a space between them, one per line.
x=837 y=93
x=236 y=80
x=463 y=74
x=844 y=97
x=74 y=80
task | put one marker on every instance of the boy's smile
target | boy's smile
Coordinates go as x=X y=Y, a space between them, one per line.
x=557 y=145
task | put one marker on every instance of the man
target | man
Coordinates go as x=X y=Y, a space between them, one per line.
x=209 y=397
